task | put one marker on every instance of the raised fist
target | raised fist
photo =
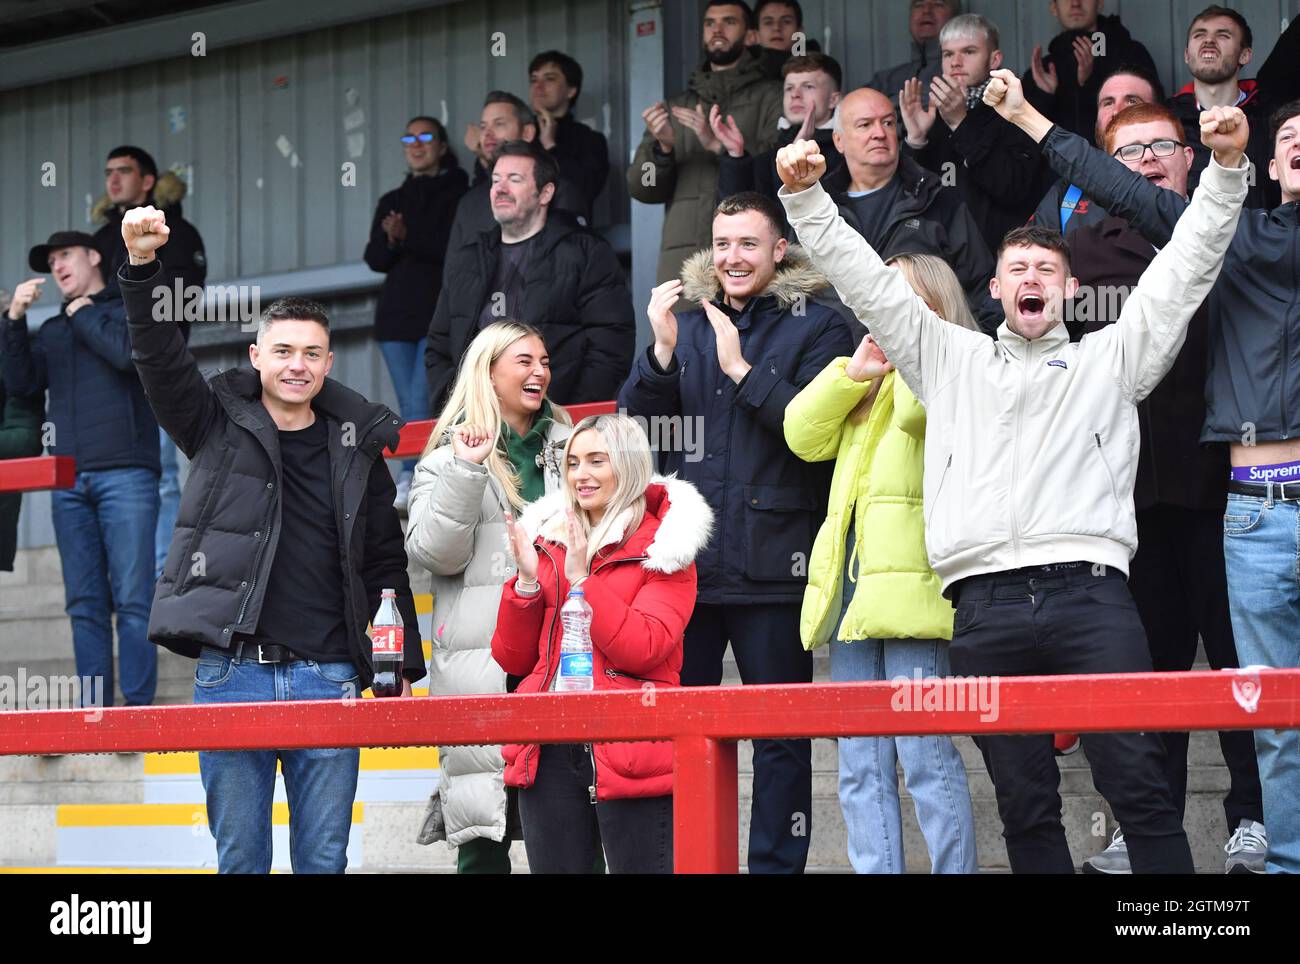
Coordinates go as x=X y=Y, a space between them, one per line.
x=472 y=443
x=1225 y=131
x=145 y=231
x=800 y=165
x=1005 y=94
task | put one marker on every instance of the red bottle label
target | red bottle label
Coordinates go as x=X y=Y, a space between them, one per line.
x=386 y=640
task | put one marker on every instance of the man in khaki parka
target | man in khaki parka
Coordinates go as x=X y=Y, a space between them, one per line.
x=677 y=161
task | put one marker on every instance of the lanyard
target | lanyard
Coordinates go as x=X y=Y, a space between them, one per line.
x=1068 y=203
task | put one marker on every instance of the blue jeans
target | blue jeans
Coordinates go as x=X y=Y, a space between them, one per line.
x=405 y=361
x=1262 y=551
x=932 y=767
x=321 y=785
x=169 y=501
x=104 y=529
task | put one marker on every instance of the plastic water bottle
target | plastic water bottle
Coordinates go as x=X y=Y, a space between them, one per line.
x=575 y=646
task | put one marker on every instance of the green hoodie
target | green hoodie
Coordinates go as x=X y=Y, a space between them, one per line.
x=525 y=453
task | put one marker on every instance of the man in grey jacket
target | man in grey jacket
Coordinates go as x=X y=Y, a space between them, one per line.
x=925 y=19
x=1014 y=425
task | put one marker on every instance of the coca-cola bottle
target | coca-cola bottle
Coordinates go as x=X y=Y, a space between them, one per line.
x=386 y=649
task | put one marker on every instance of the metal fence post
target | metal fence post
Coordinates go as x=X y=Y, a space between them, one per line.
x=705 y=832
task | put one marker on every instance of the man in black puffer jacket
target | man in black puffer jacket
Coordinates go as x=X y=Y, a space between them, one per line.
x=285 y=539
x=98 y=415
x=547 y=272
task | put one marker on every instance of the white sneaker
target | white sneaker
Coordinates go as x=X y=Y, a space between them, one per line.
x=1112 y=860
x=1246 y=849
x=403 y=492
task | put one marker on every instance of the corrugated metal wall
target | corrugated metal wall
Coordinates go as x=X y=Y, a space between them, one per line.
x=265 y=159
x=345 y=95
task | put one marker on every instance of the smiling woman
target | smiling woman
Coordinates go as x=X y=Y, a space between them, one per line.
x=627 y=542
x=496 y=448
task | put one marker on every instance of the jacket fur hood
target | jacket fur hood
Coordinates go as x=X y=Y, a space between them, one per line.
x=795 y=278
x=167 y=193
x=685 y=523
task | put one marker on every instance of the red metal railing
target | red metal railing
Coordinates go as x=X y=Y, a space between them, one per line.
x=703 y=724
x=41 y=472
x=415 y=435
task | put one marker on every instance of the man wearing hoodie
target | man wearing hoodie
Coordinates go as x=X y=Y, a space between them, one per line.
x=1031 y=454
x=1219 y=43
x=1063 y=85
x=730 y=367
x=925 y=20
x=131 y=180
x=677 y=161
x=810 y=94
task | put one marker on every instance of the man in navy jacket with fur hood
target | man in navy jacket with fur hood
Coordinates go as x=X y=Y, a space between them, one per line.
x=719 y=379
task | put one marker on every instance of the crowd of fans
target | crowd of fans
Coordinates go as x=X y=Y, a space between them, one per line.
x=1013 y=473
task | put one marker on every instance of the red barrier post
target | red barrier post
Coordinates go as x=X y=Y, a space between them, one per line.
x=705 y=836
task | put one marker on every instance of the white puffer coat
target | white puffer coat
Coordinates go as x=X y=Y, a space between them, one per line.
x=457 y=531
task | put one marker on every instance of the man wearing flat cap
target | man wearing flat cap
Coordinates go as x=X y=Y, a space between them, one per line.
x=99 y=416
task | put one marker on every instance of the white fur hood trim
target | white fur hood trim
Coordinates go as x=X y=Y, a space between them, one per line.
x=684 y=526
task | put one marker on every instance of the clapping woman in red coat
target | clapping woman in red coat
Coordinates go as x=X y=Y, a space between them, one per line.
x=629 y=541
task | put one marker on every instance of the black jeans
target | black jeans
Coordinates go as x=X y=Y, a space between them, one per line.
x=1178 y=582
x=563 y=831
x=1050 y=621
x=765 y=641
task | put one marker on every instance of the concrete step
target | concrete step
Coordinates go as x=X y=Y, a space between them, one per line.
x=48 y=803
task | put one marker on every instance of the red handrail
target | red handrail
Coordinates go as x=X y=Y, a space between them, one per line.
x=415 y=435
x=41 y=472
x=702 y=722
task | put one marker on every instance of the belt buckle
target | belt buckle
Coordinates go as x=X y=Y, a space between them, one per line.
x=264 y=662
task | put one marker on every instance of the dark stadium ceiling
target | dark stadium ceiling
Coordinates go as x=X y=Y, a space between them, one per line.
x=24 y=22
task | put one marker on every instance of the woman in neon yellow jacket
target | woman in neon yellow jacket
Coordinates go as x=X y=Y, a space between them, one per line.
x=871 y=592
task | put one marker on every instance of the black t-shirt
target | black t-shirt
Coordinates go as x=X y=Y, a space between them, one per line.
x=873 y=212
x=512 y=265
x=303 y=605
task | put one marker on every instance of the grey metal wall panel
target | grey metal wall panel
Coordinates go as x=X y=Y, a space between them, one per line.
x=266 y=159
x=348 y=91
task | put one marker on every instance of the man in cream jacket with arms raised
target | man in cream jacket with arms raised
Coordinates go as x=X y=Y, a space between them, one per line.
x=1030 y=458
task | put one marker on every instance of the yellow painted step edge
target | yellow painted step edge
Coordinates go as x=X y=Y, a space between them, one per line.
x=159 y=814
x=372 y=758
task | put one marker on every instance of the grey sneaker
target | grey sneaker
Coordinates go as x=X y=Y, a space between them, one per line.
x=1246 y=849
x=1112 y=860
